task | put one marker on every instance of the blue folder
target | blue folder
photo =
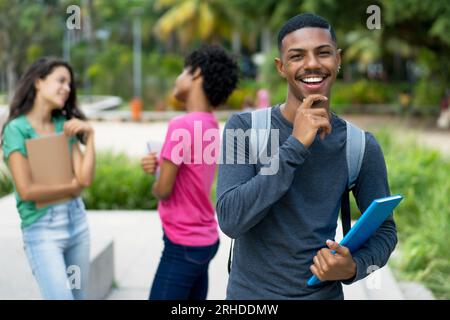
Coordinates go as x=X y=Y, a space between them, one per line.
x=366 y=225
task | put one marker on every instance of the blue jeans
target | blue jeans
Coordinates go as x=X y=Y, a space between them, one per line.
x=182 y=272
x=57 y=247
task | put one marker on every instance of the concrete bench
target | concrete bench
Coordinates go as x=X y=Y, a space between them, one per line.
x=16 y=279
x=101 y=273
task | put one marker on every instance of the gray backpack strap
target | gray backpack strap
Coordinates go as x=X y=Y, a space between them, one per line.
x=355 y=147
x=259 y=136
x=260 y=130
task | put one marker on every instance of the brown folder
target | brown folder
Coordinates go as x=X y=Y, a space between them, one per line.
x=50 y=162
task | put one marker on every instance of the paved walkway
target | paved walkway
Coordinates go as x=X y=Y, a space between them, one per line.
x=131 y=137
x=427 y=135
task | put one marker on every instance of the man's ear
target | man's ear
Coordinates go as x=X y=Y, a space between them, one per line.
x=280 y=67
x=338 y=56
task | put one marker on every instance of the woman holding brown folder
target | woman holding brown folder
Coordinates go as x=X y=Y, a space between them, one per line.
x=55 y=230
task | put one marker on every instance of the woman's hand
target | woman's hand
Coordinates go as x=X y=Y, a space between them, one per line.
x=76 y=126
x=149 y=163
x=76 y=187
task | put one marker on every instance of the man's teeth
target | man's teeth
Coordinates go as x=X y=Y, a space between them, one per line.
x=312 y=80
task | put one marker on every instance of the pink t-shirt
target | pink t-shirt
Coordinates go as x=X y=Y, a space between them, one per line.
x=192 y=143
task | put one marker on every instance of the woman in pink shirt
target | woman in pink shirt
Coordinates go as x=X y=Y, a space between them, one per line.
x=187 y=167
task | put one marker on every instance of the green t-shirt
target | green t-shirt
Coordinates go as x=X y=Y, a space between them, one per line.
x=14 y=136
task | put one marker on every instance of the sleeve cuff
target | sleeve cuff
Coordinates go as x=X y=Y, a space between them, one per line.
x=296 y=151
x=176 y=162
x=360 y=272
x=9 y=152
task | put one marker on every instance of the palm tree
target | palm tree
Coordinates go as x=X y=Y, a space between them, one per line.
x=258 y=21
x=204 y=20
x=364 y=46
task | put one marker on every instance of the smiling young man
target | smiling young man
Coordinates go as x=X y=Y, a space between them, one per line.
x=282 y=222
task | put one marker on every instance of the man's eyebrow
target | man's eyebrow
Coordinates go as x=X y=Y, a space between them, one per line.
x=323 y=46
x=296 y=50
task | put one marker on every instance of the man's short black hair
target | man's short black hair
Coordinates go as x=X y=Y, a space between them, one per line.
x=219 y=71
x=304 y=20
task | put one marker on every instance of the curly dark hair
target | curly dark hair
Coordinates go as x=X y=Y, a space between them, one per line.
x=219 y=71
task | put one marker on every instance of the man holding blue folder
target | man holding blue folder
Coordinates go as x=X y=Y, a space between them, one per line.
x=283 y=222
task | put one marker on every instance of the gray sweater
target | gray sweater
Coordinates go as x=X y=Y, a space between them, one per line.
x=280 y=221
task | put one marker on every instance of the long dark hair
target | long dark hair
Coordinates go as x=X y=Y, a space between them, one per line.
x=25 y=93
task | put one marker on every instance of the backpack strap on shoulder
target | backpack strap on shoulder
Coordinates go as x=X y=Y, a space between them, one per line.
x=356 y=145
x=355 y=148
x=260 y=130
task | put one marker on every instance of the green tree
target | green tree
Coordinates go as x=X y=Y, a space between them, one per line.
x=260 y=20
x=191 y=20
x=411 y=30
x=424 y=27
x=28 y=29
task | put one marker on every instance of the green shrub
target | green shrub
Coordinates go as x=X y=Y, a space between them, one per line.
x=422 y=176
x=349 y=97
x=268 y=71
x=346 y=97
x=6 y=186
x=111 y=72
x=246 y=90
x=278 y=94
x=427 y=95
x=119 y=183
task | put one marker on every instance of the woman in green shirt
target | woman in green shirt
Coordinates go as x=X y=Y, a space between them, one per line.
x=56 y=237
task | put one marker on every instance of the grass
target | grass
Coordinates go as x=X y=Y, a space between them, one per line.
x=422 y=176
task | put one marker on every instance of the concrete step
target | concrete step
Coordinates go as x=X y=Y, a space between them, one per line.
x=380 y=285
x=101 y=273
x=415 y=291
x=16 y=278
x=355 y=291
